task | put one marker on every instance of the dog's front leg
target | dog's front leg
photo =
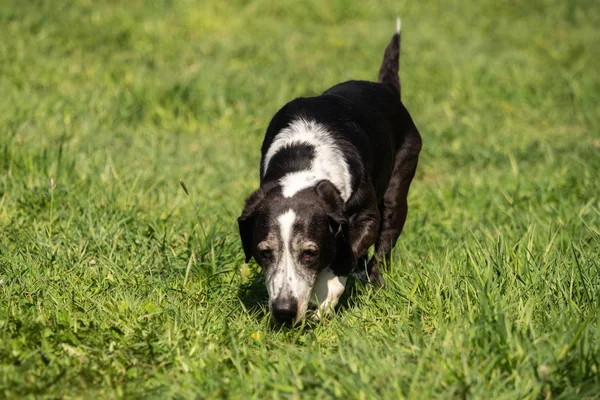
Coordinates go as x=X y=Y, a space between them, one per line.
x=363 y=233
x=331 y=282
x=327 y=291
x=364 y=223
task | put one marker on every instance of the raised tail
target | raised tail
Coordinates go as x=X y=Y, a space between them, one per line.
x=388 y=72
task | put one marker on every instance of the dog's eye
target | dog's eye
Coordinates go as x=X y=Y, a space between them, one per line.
x=265 y=254
x=308 y=256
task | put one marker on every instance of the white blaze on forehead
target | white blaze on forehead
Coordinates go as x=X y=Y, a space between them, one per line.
x=286 y=226
x=328 y=161
x=284 y=281
x=327 y=291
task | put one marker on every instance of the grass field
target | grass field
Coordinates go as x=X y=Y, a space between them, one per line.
x=115 y=283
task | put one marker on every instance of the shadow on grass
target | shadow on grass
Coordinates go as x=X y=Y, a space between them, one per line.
x=254 y=296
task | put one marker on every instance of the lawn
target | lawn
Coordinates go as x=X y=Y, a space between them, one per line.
x=117 y=283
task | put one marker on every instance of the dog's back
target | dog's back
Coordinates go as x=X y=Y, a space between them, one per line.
x=366 y=119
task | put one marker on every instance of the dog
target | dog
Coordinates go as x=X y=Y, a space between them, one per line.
x=334 y=178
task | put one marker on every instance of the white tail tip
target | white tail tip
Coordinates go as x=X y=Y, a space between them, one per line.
x=398 y=25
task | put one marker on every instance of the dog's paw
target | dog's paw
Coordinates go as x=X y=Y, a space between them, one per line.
x=376 y=278
x=319 y=312
x=359 y=275
x=316 y=317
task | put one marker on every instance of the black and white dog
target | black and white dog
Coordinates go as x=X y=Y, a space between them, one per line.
x=334 y=177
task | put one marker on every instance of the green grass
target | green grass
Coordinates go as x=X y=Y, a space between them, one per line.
x=115 y=283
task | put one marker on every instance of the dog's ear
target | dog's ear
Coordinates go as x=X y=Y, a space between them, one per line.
x=333 y=203
x=338 y=223
x=246 y=221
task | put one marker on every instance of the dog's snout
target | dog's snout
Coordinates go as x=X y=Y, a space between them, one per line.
x=285 y=311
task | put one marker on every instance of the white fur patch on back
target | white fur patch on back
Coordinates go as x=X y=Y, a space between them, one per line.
x=327 y=291
x=294 y=182
x=328 y=162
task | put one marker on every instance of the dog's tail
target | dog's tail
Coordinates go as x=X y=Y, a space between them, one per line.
x=388 y=72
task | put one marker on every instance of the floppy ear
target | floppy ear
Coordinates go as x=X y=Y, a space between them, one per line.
x=246 y=221
x=333 y=202
x=338 y=223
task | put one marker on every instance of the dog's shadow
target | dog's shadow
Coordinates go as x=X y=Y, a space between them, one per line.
x=254 y=296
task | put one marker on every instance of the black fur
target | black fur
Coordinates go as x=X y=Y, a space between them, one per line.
x=390 y=66
x=296 y=158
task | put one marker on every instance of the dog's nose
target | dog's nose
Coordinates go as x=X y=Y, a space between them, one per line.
x=285 y=310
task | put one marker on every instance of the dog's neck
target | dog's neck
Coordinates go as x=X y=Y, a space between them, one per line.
x=328 y=162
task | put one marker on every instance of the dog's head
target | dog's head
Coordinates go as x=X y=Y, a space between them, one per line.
x=293 y=239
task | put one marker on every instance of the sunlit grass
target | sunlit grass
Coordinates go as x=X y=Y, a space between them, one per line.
x=115 y=282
